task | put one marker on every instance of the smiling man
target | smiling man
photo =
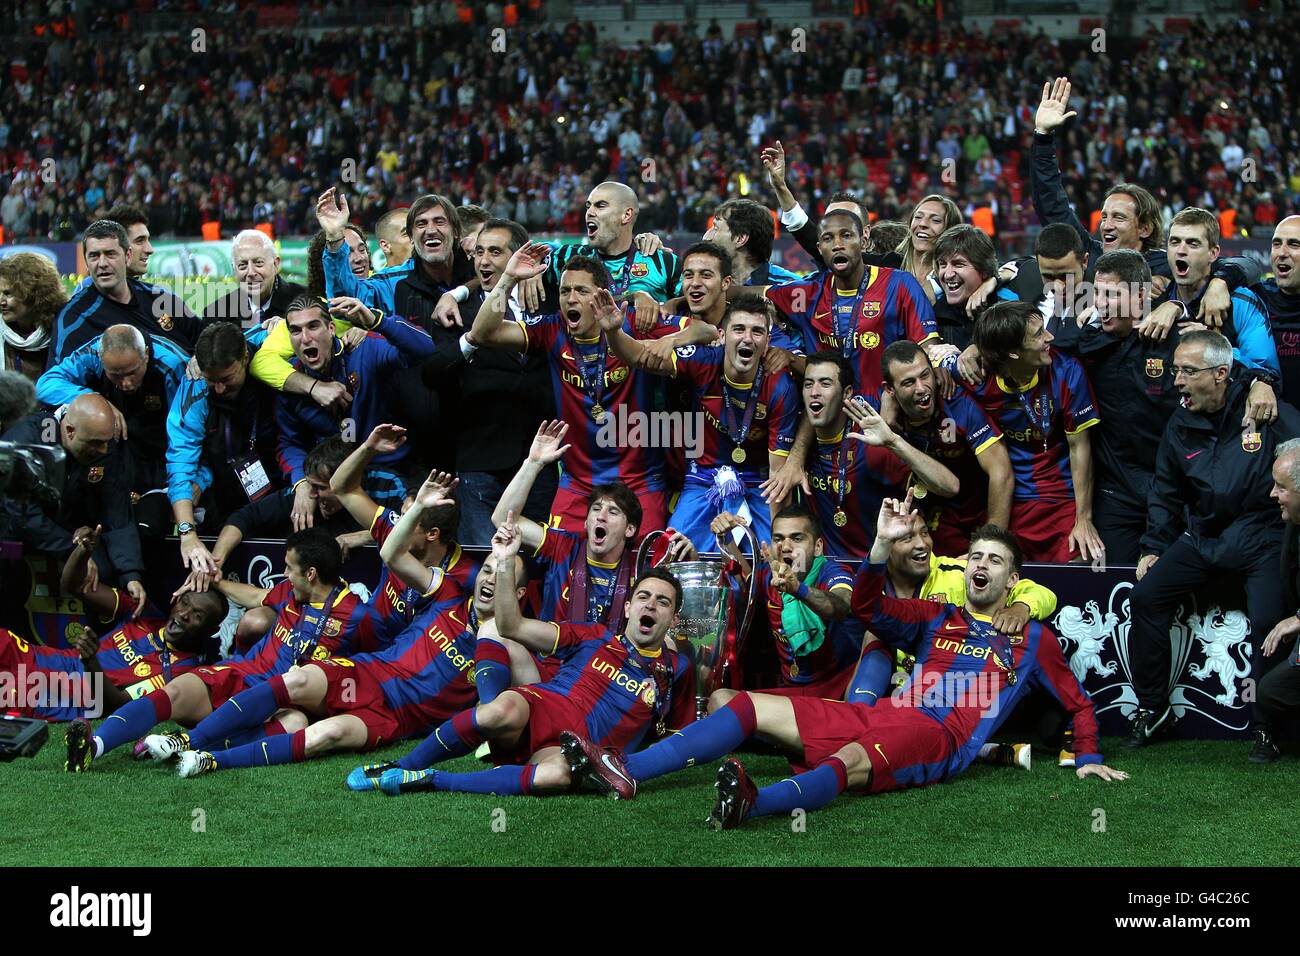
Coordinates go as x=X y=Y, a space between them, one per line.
x=931 y=733
x=618 y=686
x=1281 y=297
x=261 y=291
x=1209 y=517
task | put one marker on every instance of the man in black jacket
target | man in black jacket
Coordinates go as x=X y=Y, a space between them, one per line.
x=96 y=490
x=495 y=398
x=262 y=292
x=1279 y=691
x=1208 y=514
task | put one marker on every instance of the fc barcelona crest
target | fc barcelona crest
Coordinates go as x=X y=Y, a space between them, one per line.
x=165 y=322
x=639 y=270
x=95 y=474
x=333 y=627
x=1251 y=441
x=1155 y=367
x=870 y=310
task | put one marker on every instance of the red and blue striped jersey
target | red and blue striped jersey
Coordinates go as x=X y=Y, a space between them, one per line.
x=962 y=663
x=597 y=456
x=871 y=474
x=1056 y=403
x=776 y=410
x=838 y=650
x=349 y=629
x=559 y=550
x=428 y=675
x=893 y=307
x=622 y=691
x=397 y=603
x=954 y=437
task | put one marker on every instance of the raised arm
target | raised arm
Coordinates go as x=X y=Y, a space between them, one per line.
x=98 y=598
x=346 y=480
x=547 y=448
x=490 y=327
x=511 y=624
x=828 y=605
x=1051 y=203
x=872 y=429
x=396 y=553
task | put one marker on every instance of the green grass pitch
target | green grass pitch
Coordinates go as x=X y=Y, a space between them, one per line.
x=1187 y=803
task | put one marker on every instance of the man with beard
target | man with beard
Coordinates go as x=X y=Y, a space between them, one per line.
x=860 y=460
x=751 y=416
x=139 y=377
x=855 y=309
x=932 y=737
x=221 y=437
x=1209 y=515
x=617 y=686
x=956 y=432
x=365 y=369
x=141 y=653
x=113 y=297
x=593 y=387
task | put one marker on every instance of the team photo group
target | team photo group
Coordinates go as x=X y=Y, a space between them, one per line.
x=841 y=344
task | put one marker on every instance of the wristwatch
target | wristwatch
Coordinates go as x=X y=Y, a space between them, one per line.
x=184 y=528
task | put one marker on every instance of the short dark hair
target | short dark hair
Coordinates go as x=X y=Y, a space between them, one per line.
x=799 y=512
x=220 y=606
x=844 y=195
x=994 y=532
x=886 y=234
x=1057 y=241
x=661 y=574
x=1127 y=265
x=971 y=242
x=316 y=548
x=105 y=229
x=706 y=248
x=902 y=352
x=127 y=215
x=327 y=456
x=622 y=496
x=388 y=221
x=471 y=215
x=220 y=346
x=592 y=266
x=315 y=265
x=748 y=218
x=445 y=518
x=827 y=357
x=840 y=212
x=426 y=201
x=750 y=302
x=518 y=234
x=1001 y=331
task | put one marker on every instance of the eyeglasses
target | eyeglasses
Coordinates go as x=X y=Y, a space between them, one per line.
x=1187 y=372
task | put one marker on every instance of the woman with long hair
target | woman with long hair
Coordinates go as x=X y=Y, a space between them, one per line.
x=931 y=218
x=31 y=297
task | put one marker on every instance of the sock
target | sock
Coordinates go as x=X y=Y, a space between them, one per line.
x=503 y=781
x=805 y=791
x=282 y=748
x=714 y=736
x=491 y=670
x=245 y=711
x=455 y=738
x=132 y=721
x=871 y=680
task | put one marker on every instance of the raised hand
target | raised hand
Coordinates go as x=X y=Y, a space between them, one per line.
x=332 y=213
x=386 y=439
x=437 y=489
x=773 y=159
x=1054 y=108
x=528 y=261
x=506 y=541
x=895 y=520
x=608 y=312
x=546 y=448
x=87 y=539
x=352 y=309
x=784 y=578
x=872 y=429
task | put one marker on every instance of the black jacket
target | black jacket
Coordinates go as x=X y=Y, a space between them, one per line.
x=1291 y=568
x=94 y=493
x=153 y=310
x=232 y=307
x=1213 y=482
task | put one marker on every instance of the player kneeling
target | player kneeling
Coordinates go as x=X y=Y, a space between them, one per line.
x=968 y=677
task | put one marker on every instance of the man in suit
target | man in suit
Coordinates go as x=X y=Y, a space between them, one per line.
x=1279 y=690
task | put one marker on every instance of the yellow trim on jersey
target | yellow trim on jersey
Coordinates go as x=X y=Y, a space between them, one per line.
x=727 y=378
x=556 y=646
x=379 y=510
x=842 y=585
x=601 y=564
x=988 y=443
x=839 y=437
x=523 y=328
x=1088 y=424
x=779 y=454
x=932 y=335
x=591 y=341
x=1006 y=387
x=546 y=529
x=650 y=654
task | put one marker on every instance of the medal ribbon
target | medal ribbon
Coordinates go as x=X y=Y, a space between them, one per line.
x=317 y=625
x=594 y=390
x=848 y=334
x=660 y=673
x=729 y=424
x=998 y=642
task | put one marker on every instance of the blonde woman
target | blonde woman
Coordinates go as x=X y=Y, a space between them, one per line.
x=931 y=217
x=31 y=296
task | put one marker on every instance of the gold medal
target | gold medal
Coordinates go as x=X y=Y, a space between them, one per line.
x=919 y=490
x=840 y=519
x=738 y=456
x=794 y=669
x=598 y=412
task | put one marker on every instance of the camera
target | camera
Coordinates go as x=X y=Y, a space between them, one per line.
x=21 y=737
x=32 y=473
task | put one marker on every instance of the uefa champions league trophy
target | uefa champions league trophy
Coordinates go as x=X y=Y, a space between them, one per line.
x=704 y=622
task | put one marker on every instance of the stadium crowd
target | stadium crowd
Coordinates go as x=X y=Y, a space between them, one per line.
x=913 y=407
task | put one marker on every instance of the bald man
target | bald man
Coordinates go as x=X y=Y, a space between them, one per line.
x=1281 y=295
x=93 y=490
x=645 y=278
x=394 y=240
x=139 y=375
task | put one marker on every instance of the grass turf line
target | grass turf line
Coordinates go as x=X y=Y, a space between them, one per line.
x=1187 y=803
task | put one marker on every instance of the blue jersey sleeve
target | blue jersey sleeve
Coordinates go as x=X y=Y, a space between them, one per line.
x=295 y=440
x=404 y=344
x=61 y=383
x=376 y=291
x=1255 y=345
x=186 y=424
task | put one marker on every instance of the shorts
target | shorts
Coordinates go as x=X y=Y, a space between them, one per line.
x=831 y=687
x=549 y=715
x=906 y=747
x=569 y=509
x=224 y=681
x=1043 y=529
x=354 y=690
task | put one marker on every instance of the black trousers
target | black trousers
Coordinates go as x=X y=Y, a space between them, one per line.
x=1278 y=696
x=1180 y=571
x=1121 y=522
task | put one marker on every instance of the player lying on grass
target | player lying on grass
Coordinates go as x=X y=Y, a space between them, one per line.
x=968 y=678
x=615 y=686
x=316 y=616
x=139 y=654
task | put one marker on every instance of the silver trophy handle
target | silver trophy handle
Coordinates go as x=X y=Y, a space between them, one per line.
x=643 y=552
x=748 y=616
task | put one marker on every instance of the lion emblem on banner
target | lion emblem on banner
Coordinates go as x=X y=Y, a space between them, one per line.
x=1088 y=629
x=1219 y=634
